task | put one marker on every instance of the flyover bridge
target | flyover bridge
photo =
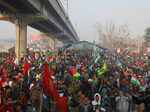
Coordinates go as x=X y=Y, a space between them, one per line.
x=47 y=16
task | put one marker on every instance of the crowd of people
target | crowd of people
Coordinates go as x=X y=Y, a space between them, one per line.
x=74 y=81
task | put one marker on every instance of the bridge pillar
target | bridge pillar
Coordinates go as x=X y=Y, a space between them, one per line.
x=51 y=43
x=21 y=38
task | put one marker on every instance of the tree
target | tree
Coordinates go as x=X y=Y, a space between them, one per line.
x=147 y=34
x=112 y=35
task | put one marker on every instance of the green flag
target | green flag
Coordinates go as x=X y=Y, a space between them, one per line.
x=96 y=55
x=76 y=76
x=102 y=70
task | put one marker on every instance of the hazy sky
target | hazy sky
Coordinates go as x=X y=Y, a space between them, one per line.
x=84 y=14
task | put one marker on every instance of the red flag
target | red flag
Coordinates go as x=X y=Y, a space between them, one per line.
x=121 y=48
x=55 y=94
x=48 y=85
x=10 y=108
x=9 y=59
x=2 y=108
x=73 y=70
x=62 y=104
x=18 y=76
x=15 y=56
x=32 y=54
x=0 y=69
x=125 y=73
x=26 y=66
x=139 y=63
x=44 y=78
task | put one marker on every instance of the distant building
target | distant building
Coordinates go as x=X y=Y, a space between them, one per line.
x=6 y=44
x=43 y=42
x=134 y=44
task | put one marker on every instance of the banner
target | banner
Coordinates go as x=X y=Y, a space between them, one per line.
x=35 y=37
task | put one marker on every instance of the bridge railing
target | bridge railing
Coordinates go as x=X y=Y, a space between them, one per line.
x=61 y=11
x=65 y=13
x=62 y=7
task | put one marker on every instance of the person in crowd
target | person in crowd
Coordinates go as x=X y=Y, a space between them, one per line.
x=96 y=103
x=106 y=101
x=85 y=106
x=122 y=103
x=108 y=82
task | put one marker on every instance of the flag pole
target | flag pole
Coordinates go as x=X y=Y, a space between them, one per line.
x=41 y=101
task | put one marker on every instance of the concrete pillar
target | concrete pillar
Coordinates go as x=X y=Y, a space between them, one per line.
x=51 y=43
x=21 y=38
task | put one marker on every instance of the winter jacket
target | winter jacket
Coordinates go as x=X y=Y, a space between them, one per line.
x=85 y=107
x=122 y=104
x=96 y=104
x=106 y=103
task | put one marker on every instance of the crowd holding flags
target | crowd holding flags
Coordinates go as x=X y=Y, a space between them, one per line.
x=69 y=79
